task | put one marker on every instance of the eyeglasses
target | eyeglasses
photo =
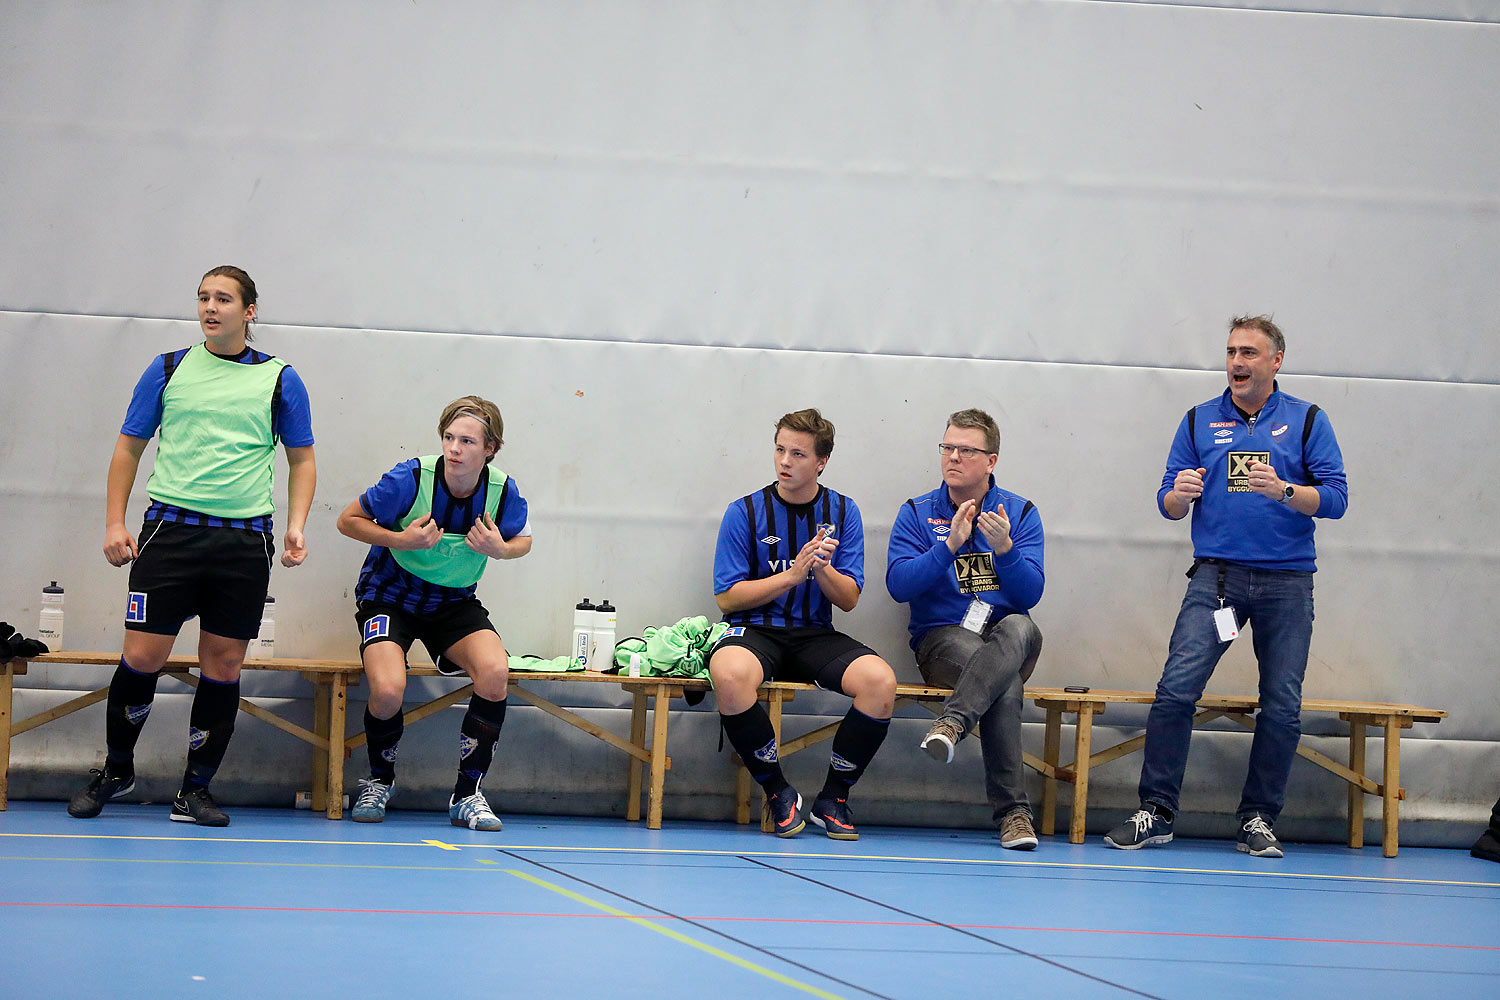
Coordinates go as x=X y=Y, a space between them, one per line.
x=964 y=451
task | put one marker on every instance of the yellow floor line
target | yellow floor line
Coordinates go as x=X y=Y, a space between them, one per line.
x=1268 y=872
x=676 y=936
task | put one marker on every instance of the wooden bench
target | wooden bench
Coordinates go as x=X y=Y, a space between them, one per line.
x=1391 y=719
x=331 y=680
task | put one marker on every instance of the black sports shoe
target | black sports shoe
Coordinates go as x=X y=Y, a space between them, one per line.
x=785 y=808
x=1256 y=839
x=1145 y=828
x=832 y=814
x=87 y=802
x=197 y=806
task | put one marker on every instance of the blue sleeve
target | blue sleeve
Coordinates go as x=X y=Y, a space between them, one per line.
x=516 y=513
x=1325 y=464
x=849 y=556
x=913 y=565
x=1020 y=570
x=143 y=416
x=389 y=500
x=732 y=551
x=293 y=419
x=1183 y=455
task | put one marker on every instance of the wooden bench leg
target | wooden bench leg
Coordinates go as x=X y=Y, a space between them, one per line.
x=7 y=691
x=661 y=703
x=743 y=786
x=1391 y=812
x=1051 y=746
x=1357 y=794
x=338 y=703
x=1081 y=770
x=637 y=737
x=320 y=757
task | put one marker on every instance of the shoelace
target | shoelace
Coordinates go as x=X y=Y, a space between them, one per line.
x=370 y=792
x=1257 y=825
x=1142 y=820
x=475 y=806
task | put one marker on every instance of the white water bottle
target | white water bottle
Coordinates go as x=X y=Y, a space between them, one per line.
x=604 y=636
x=50 y=629
x=264 y=646
x=583 y=632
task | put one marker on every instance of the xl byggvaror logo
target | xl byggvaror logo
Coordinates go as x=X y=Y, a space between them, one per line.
x=1239 y=468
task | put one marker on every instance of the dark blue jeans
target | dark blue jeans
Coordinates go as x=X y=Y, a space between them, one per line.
x=1278 y=606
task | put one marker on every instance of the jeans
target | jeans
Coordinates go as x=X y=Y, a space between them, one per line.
x=1278 y=605
x=987 y=673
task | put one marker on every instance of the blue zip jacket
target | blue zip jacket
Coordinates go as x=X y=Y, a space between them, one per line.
x=1231 y=523
x=920 y=570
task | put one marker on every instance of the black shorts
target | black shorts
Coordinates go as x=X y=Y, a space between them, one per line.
x=438 y=631
x=218 y=574
x=806 y=655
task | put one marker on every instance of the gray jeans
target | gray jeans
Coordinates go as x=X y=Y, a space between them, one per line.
x=988 y=674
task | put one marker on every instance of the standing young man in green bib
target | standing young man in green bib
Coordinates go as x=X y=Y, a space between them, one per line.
x=433 y=524
x=206 y=546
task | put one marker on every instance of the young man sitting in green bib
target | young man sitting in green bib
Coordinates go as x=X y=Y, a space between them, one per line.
x=433 y=524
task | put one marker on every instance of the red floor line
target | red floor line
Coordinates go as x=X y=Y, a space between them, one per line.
x=768 y=920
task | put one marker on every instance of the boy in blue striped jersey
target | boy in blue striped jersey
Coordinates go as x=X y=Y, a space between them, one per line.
x=786 y=555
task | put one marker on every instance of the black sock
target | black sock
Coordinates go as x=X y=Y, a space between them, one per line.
x=854 y=746
x=383 y=741
x=754 y=739
x=130 y=695
x=1161 y=811
x=210 y=724
x=476 y=743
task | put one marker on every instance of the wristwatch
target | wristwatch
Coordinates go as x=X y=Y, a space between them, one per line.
x=1287 y=493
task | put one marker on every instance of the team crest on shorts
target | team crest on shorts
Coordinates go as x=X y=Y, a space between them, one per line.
x=135 y=607
x=378 y=627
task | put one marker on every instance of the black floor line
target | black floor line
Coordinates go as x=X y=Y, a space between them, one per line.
x=693 y=923
x=957 y=930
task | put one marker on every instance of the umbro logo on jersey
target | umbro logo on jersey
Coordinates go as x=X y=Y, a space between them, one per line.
x=941 y=529
x=1223 y=434
x=770 y=540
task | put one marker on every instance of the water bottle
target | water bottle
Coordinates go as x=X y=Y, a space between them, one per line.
x=604 y=636
x=635 y=664
x=583 y=632
x=50 y=630
x=264 y=646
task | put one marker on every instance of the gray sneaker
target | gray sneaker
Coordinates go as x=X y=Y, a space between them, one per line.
x=942 y=738
x=369 y=807
x=1016 y=831
x=1144 y=828
x=1256 y=839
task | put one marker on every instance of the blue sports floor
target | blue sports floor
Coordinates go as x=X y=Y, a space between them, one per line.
x=286 y=904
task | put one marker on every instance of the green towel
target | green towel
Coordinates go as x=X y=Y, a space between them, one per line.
x=679 y=650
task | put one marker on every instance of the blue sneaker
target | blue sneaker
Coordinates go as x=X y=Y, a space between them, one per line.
x=785 y=808
x=1143 y=829
x=1256 y=839
x=369 y=807
x=832 y=815
x=473 y=812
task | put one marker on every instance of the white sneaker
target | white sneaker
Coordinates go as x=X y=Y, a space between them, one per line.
x=369 y=806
